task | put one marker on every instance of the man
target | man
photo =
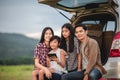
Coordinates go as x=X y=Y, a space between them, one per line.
x=89 y=57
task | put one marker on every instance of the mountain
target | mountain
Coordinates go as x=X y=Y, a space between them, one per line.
x=16 y=48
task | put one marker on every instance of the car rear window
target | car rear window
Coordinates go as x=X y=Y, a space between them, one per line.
x=79 y=3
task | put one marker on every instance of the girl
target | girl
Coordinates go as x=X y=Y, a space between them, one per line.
x=40 y=55
x=56 y=63
x=70 y=44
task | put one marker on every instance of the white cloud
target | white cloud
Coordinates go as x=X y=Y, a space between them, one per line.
x=34 y=35
x=58 y=33
x=37 y=35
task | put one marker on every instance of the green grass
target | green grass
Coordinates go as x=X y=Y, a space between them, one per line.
x=16 y=72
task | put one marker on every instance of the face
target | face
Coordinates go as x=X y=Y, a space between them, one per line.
x=80 y=33
x=48 y=35
x=65 y=32
x=54 y=44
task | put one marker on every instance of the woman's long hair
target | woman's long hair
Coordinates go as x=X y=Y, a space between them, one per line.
x=71 y=38
x=43 y=33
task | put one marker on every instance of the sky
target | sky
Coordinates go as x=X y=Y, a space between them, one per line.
x=28 y=17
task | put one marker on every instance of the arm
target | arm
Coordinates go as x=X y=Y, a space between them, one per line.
x=48 y=62
x=93 y=54
x=63 y=59
x=47 y=72
x=77 y=44
x=79 y=62
x=37 y=57
x=37 y=64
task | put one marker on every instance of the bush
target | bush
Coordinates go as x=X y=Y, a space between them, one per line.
x=17 y=61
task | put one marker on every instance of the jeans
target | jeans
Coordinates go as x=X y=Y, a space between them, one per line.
x=95 y=74
x=55 y=76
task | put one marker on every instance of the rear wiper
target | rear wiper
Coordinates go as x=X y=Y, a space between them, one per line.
x=92 y=5
x=63 y=15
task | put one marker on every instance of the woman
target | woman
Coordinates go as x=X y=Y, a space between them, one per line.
x=70 y=44
x=40 y=55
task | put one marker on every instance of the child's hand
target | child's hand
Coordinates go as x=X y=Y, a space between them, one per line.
x=50 y=58
x=54 y=58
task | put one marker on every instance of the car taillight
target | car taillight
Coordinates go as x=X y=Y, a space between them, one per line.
x=115 y=53
x=115 y=49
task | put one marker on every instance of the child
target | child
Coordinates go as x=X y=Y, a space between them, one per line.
x=56 y=63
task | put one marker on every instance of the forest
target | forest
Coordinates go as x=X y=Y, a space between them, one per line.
x=16 y=49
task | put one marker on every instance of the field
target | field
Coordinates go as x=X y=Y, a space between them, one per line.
x=16 y=72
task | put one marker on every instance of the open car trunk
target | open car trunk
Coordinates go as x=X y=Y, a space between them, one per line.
x=101 y=27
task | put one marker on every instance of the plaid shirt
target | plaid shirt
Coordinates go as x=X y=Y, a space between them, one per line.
x=40 y=52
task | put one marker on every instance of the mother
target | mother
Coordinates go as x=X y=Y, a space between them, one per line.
x=40 y=55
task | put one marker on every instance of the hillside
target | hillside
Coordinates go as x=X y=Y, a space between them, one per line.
x=16 y=49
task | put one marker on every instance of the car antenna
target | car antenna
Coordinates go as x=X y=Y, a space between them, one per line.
x=63 y=15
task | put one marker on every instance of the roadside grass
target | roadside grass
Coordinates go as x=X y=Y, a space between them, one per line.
x=16 y=72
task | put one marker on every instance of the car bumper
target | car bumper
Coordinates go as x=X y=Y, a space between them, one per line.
x=113 y=68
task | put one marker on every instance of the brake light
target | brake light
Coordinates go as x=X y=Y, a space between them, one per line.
x=115 y=53
x=115 y=49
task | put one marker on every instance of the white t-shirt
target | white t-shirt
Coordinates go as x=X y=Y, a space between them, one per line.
x=53 y=64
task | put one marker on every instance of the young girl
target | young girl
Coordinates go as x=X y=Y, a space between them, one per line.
x=57 y=63
x=40 y=56
x=70 y=44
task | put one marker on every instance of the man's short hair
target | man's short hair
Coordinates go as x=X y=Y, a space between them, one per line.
x=81 y=25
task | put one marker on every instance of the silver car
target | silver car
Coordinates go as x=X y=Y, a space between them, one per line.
x=103 y=22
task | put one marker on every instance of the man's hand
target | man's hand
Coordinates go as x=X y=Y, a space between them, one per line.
x=79 y=69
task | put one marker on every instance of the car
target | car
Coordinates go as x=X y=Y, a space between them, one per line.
x=103 y=22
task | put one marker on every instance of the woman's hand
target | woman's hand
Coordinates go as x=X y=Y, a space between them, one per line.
x=47 y=73
x=85 y=77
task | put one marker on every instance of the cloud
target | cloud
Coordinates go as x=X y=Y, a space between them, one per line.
x=34 y=35
x=37 y=35
x=28 y=16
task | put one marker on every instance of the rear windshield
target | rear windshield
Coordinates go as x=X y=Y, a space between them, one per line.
x=79 y=3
